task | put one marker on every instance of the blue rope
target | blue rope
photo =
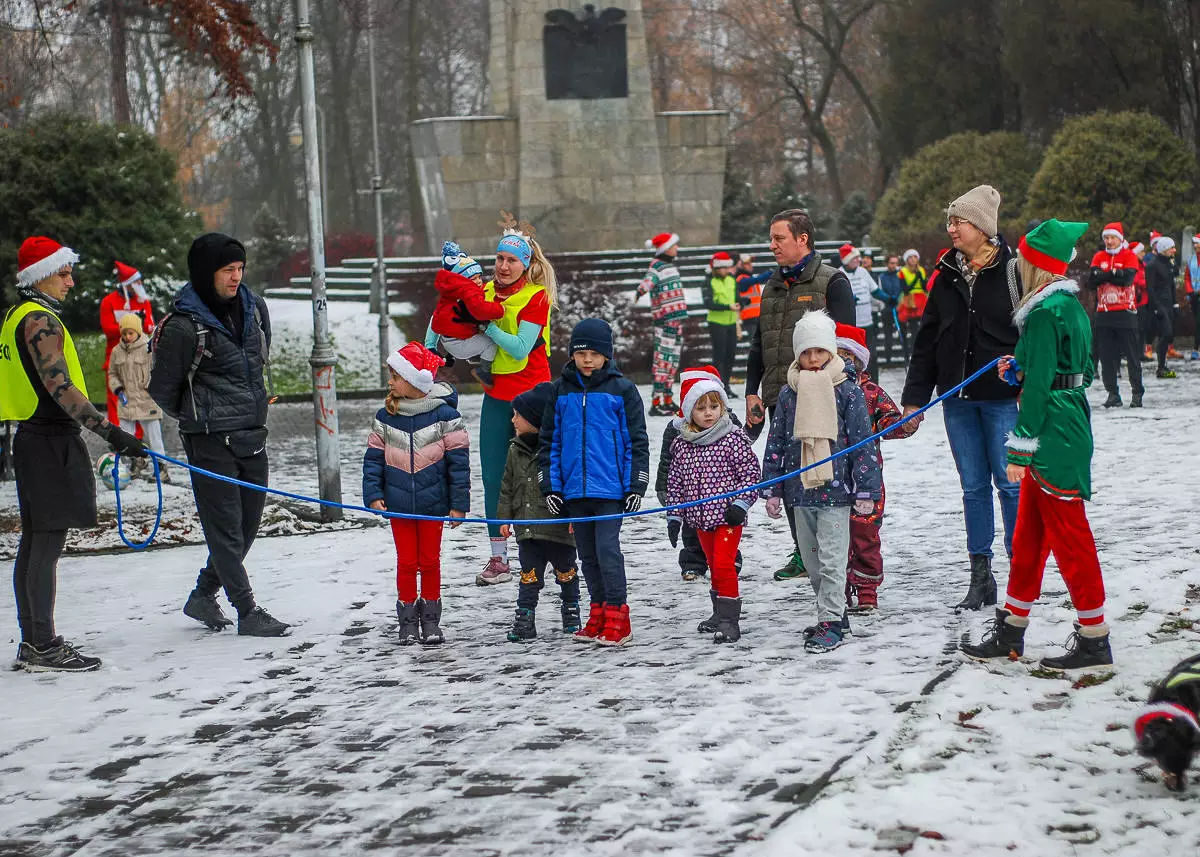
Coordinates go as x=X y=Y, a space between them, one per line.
x=477 y=520
x=116 y=469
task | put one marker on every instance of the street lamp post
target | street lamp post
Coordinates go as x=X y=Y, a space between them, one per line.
x=323 y=360
x=377 y=191
x=296 y=138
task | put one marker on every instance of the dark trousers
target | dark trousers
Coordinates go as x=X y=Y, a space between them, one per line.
x=788 y=510
x=230 y=515
x=1164 y=329
x=1114 y=344
x=35 y=578
x=535 y=555
x=691 y=555
x=599 y=544
x=724 y=343
x=749 y=327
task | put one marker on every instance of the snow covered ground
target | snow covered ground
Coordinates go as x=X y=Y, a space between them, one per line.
x=338 y=741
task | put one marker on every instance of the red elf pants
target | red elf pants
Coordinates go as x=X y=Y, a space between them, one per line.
x=720 y=549
x=1048 y=524
x=418 y=548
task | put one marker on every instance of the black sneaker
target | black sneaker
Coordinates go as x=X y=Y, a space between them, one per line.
x=259 y=623
x=205 y=610
x=57 y=657
x=1136 y=401
x=1113 y=401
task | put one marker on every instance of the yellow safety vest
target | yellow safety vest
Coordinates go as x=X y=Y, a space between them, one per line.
x=505 y=363
x=724 y=290
x=18 y=398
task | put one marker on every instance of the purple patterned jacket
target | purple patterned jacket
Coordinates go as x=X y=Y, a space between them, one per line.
x=704 y=471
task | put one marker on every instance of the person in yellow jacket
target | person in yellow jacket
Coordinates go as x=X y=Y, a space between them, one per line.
x=42 y=389
x=720 y=299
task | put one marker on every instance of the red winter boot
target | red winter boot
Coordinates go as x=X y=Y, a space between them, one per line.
x=616 y=626
x=595 y=624
x=868 y=599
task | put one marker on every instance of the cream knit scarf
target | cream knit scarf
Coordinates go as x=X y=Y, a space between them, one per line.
x=816 y=423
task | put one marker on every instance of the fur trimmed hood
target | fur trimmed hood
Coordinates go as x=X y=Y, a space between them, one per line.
x=1053 y=287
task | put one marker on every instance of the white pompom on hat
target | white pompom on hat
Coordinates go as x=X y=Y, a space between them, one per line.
x=815 y=329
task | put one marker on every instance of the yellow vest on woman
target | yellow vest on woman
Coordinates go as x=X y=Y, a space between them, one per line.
x=505 y=363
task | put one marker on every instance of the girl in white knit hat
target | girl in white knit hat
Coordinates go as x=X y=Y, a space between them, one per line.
x=822 y=411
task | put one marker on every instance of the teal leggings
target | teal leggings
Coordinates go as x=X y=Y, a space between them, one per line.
x=495 y=431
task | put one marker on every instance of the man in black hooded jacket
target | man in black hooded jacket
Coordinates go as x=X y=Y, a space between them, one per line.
x=209 y=357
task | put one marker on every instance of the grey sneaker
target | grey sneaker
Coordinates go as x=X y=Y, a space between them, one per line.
x=259 y=623
x=58 y=656
x=205 y=610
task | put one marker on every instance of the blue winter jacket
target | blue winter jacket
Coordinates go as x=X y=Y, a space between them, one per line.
x=857 y=476
x=891 y=287
x=593 y=440
x=418 y=459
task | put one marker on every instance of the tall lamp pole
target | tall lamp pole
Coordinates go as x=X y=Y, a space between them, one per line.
x=323 y=359
x=377 y=191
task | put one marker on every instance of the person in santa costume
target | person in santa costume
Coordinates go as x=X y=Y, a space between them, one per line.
x=668 y=308
x=1112 y=278
x=1050 y=455
x=42 y=389
x=128 y=297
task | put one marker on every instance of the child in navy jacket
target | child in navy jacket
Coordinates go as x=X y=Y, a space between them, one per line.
x=594 y=459
x=418 y=462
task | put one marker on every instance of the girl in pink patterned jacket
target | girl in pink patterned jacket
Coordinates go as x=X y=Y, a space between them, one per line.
x=712 y=456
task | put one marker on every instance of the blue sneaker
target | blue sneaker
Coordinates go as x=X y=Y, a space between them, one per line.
x=827 y=638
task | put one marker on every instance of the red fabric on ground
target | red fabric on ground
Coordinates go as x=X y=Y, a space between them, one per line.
x=720 y=549
x=418 y=549
x=1047 y=524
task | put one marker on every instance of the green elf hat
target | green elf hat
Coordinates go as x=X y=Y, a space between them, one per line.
x=1051 y=244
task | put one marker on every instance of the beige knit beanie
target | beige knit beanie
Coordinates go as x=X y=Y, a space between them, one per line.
x=979 y=206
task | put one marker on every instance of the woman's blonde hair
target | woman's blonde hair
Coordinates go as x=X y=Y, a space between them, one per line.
x=542 y=272
x=712 y=397
x=1033 y=279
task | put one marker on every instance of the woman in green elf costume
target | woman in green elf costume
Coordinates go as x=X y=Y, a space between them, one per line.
x=1050 y=454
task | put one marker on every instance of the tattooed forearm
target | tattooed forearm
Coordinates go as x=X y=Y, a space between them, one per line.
x=44 y=340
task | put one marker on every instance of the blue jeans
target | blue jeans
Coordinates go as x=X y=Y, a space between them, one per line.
x=599 y=544
x=977 y=431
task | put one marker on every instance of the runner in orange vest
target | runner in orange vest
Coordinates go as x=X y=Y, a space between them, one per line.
x=749 y=291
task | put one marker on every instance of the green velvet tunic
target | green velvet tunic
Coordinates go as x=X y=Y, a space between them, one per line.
x=1053 y=435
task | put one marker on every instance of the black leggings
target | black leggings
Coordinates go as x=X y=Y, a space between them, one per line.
x=35 y=579
x=724 y=346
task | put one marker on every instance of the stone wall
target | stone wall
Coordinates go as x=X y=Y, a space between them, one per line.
x=693 y=146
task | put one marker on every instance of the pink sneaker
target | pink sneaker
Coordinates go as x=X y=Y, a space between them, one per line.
x=496 y=571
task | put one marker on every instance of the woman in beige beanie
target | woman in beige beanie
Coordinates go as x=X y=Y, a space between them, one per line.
x=968 y=322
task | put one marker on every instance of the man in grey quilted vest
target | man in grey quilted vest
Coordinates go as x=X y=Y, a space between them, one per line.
x=209 y=357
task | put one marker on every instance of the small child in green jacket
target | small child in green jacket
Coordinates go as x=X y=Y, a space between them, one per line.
x=538 y=544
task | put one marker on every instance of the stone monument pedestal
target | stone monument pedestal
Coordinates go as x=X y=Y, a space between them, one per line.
x=591 y=168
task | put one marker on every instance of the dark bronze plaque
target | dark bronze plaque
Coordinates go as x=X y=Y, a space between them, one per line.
x=585 y=57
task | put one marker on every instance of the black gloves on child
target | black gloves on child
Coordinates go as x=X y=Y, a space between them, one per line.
x=735 y=515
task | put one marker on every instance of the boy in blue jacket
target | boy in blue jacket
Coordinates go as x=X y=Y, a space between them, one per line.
x=594 y=459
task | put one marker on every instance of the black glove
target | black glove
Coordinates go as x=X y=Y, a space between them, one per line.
x=735 y=515
x=463 y=315
x=123 y=443
x=556 y=504
x=674 y=526
x=633 y=502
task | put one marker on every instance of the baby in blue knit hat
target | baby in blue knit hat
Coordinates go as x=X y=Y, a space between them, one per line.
x=462 y=313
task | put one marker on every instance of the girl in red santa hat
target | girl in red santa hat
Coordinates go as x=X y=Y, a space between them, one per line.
x=418 y=462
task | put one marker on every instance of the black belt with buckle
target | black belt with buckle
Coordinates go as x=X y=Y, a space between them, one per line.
x=1067 y=382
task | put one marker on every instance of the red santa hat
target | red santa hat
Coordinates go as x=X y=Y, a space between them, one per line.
x=721 y=259
x=126 y=275
x=1136 y=245
x=1154 y=236
x=848 y=252
x=1164 y=711
x=694 y=383
x=416 y=364
x=1114 y=229
x=662 y=242
x=854 y=340
x=40 y=257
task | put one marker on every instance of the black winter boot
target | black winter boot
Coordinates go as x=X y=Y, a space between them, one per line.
x=982 y=592
x=1005 y=638
x=523 y=627
x=1113 y=400
x=409 y=630
x=570 y=617
x=729 y=612
x=709 y=625
x=205 y=610
x=1087 y=647
x=259 y=623
x=431 y=616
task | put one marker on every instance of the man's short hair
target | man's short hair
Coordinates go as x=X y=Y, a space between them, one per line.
x=798 y=221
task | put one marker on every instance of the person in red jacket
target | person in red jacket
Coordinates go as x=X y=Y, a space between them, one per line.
x=129 y=297
x=1114 y=270
x=461 y=309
